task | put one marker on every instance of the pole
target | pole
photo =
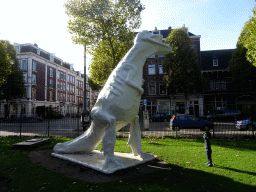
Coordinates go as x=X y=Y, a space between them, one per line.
x=85 y=115
x=84 y=79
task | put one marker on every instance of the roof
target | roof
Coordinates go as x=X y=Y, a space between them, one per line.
x=222 y=56
x=24 y=48
x=166 y=32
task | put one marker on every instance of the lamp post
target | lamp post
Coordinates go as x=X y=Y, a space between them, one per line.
x=85 y=114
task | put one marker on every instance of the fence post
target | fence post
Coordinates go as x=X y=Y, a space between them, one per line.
x=20 y=118
x=78 y=117
x=252 y=118
x=48 y=118
x=212 y=120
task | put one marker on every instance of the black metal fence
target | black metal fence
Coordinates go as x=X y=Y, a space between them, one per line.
x=70 y=126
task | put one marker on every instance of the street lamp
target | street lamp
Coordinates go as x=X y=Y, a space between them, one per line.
x=85 y=114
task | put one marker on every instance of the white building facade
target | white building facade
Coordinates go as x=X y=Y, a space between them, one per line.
x=49 y=82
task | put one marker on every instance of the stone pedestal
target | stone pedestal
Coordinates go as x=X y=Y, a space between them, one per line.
x=95 y=160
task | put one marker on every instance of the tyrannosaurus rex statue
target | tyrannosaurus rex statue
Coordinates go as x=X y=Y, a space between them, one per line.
x=118 y=103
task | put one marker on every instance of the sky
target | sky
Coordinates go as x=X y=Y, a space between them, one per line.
x=44 y=22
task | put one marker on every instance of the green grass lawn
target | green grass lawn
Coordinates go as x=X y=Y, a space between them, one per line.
x=234 y=160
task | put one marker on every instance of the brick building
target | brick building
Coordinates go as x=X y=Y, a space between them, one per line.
x=220 y=91
x=157 y=96
x=49 y=81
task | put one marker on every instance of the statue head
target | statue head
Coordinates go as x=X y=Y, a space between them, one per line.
x=154 y=40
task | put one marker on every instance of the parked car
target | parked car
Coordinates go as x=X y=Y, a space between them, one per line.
x=159 y=117
x=224 y=114
x=246 y=124
x=33 y=119
x=189 y=122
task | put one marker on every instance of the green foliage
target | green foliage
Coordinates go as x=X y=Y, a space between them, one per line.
x=181 y=65
x=106 y=28
x=93 y=86
x=5 y=62
x=48 y=112
x=94 y=20
x=248 y=38
x=103 y=61
x=13 y=87
x=242 y=71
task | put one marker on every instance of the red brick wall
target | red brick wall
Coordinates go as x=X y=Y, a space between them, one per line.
x=40 y=81
x=53 y=88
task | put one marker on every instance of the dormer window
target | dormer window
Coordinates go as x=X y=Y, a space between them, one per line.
x=51 y=57
x=38 y=51
x=17 y=47
x=215 y=62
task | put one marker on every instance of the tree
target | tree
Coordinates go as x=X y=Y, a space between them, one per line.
x=243 y=72
x=102 y=62
x=181 y=65
x=248 y=38
x=103 y=26
x=5 y=62
x=13 y=87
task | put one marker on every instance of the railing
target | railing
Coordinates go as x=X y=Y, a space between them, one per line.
x=71 y=127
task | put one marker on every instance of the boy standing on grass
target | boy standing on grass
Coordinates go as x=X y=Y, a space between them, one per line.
x=208 y=149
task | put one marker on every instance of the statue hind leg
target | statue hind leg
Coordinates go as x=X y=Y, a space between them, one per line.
x=86 y=142
x=91 y=138
x=135 y=139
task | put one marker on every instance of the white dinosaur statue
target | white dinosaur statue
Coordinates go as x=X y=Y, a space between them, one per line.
x=118 y=104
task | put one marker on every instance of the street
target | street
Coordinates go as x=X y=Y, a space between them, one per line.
x=71 y=127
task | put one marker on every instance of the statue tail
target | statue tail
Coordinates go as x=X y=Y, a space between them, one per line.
x=85 y=143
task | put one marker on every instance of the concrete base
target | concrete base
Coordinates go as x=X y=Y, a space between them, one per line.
x=95 y=160
x=30 y=143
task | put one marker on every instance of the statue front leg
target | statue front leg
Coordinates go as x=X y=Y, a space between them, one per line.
x=135 y=139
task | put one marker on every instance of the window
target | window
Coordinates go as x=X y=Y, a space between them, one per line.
x=24 y=65
x=51 y=57
x=17 y=47
x=58 y=74
x=63 y=97
x=51 y=84
x=64 y=76
x=51 y=72
x=151 y=69
x=33 y=79
x=33 y=93
x=162 y=89
x=51 y=96
x=152 y=88
x=58 y=96
x=33 y=65
x=215 y=62
x=38 y=51
x=161 y=69
x=64 y=87
x=218 y=85
x=25 y=78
